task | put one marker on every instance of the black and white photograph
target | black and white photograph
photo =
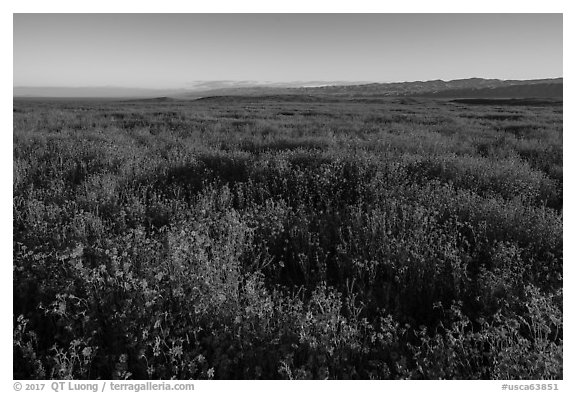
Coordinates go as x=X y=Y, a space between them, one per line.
x=287 y=196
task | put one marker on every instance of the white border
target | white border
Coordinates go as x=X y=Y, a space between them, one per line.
x=304 y=6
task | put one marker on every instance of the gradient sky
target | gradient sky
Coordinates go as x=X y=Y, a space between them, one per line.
x=174 y=50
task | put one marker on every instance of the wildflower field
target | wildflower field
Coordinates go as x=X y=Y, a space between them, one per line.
x=287 y=237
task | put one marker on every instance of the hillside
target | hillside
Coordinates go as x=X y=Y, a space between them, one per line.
x=537 y=90
x=461 y=88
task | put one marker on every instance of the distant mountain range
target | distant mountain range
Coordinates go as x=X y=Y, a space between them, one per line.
x=460 y=88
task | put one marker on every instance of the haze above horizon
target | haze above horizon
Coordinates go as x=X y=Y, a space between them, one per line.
x=175 y=51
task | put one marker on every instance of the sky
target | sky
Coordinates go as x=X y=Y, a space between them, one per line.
x=178 y=50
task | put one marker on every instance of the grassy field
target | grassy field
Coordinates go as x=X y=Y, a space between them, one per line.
x=248 y=238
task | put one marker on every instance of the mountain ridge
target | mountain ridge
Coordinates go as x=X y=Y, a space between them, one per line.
x=457 y=88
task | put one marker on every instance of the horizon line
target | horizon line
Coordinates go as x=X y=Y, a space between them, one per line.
x=265 y=83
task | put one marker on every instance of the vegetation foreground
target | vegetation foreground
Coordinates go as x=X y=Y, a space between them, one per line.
x=250 y=238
